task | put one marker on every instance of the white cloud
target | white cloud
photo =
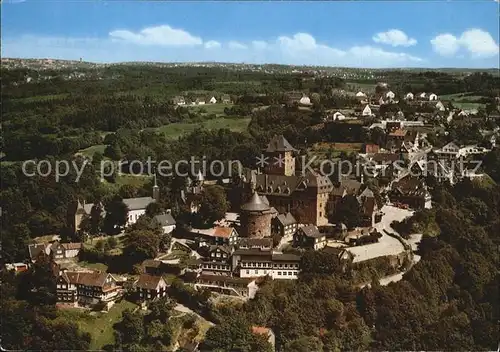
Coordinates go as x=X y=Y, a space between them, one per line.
x=212 y=44
x=478 y=43
x=259 y=44
x=445 y=44
x=298 y=49
x=236 y=45
x=160 y=35
x=394 y=37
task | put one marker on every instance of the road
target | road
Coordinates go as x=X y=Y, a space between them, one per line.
x=386 y=245
x=183 y=309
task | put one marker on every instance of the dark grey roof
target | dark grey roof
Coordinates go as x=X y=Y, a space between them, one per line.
x=279 y=144
x=255 y=204
x=286 y=257
x=255 y=242
x=165 y=219
x=138 y=203
x=286 y=219
x=311 y=231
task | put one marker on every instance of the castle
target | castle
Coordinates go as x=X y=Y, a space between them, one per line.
x=305 y=195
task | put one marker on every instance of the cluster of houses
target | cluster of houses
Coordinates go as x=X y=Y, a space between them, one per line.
x=182 y=101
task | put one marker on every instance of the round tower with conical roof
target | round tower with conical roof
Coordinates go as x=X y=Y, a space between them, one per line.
x=255 y=218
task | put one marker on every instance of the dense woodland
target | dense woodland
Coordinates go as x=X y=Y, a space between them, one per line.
x=449 y=300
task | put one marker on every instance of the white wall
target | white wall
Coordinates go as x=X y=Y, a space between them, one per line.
x=133 y=215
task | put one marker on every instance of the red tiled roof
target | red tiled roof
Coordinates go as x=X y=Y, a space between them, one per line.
x=224 y=232
x=398 y=133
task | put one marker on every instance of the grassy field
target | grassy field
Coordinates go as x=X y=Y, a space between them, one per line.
x=175 y=130
x=90 y=151
x=98 y=325
x=94 y=266
x=217 y=109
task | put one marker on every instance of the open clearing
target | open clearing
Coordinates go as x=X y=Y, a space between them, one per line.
x=98 y=325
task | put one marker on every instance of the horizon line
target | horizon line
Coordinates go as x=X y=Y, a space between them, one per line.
x=254 y=64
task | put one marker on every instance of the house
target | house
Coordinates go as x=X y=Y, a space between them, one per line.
x=16 y=267
x=136 y=208
x=409 y=96
x=149 y=287
x=440 y=106
x=199 y=101
x=216 y=236
x=218 y=261
x=65 y=250
x=370 y=213
x=422 y=95
x=410 y=190
x=37 y=249
x=87 y=288
x=367 y=111
x=267 y=333
x=255 y=243
x=433 y=97
x=225 y=99
x=179 y=100
x=284 y=224
x=212 y=100
x=252 y=263
x=390 y=95
x=293 y=97
x=166 y=221
x=305 y=100
x=152 y=267
x=361 y=95
x=342 y=256
x=309 y=237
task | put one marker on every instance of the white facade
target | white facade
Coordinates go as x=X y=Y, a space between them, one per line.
x=361 y=95
x=305 y=101
x=276 y=270
x=390 y=95
x=212 y=100
x=440 y=106
x=367 y=111
x=133 y=215
x=168 y=229
x=409 y=96
x=338 y=116
x=433 y=97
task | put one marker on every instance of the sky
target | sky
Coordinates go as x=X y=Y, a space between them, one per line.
x=376 y=34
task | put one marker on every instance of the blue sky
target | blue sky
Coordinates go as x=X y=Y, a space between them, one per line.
x=354 y=33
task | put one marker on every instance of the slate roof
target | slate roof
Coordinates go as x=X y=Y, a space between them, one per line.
x=165 y=219
x=285 y=257
x=279 y=144
x=255 y=242
x=255 y=204
x=138 y=203
x=311 y=231
x=149 y=282
x=286 y=219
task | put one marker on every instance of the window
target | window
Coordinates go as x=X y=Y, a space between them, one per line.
x=256 y=272
x=279 y=273
x=290 y=273
x=248 y=272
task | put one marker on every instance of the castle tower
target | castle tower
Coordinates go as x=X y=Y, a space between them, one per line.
x=255 y=218
x=281 y=160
